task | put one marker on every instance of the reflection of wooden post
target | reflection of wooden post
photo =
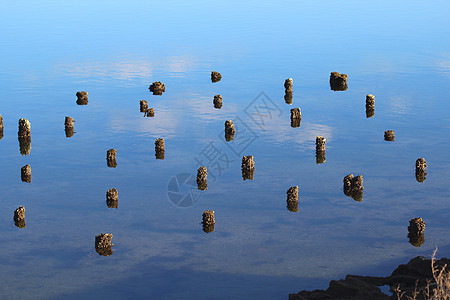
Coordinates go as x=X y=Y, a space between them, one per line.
x=111 y=158
x=217 y=101
x=389 y=135
x=421 y=166
x=103 y=244
x=208 y=221
x=19 y=217
x=112 y=198
x=215 y=76
x=202 y=174
x=1 y=127
x=25 y=173
x=25 y=145
x=370 y=106
x=292 y=199
x=82 y=98
x=159 y=149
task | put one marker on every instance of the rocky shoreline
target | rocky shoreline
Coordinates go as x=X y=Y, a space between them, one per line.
x=410 y=278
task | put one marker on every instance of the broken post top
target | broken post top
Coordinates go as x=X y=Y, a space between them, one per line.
x=338 y=82
x=24 y=128
x=248 y=163
x=421 y=165
x=82 y=98
x=159 y=143
x=68 y=121
x=157 y=88
x=370 y=100
x=215 y=76
x=296 y=113
x=288 y=85
x=416 y=226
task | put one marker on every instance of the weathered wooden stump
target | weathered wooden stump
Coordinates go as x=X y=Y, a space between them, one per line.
x=112 y=198
x=320 y=143
x=82 y=98
x=370 y=100
x=248 y=167
x=157 y=88
x=103 y=244
x=217 y=101
x=68 y=127
x=143 y=106
x=416 y=230
x=19 y=217
x=25 y=173
x=338 y=82
x=24 y=128
x=215 y=76
x=202 y=174
x=389 y=135
x=111 y=158
x=208 y=221
x=292 y=199
x=288 y=85
x=150 y=112
x=421 y=166
x=160 y=149
x=353 y=187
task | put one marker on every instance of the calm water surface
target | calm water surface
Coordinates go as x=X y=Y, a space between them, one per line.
x=114 y=50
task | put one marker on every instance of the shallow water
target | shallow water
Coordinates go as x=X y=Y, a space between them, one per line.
x=114 y=51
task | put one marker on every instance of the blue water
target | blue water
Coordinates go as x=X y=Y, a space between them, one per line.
x=398 y=51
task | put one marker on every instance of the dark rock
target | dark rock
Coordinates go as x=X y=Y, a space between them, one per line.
x=353 y=187
x=411 y=277
x=112 y=198
x=215 y=76
x=338 y=82
x=202 y=174
x=157 y=88
x=111 y=158
x=82 y=98
x=217 y=101
x=103 y=244
x=25 y=145
x=389 y=135
x=19 y=217
x=292 y=199
x=25 y=173
x=143 y=106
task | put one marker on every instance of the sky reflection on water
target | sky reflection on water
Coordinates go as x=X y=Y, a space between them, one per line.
x=114 y=51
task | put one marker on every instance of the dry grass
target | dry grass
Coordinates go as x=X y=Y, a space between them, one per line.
x=439 y=289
